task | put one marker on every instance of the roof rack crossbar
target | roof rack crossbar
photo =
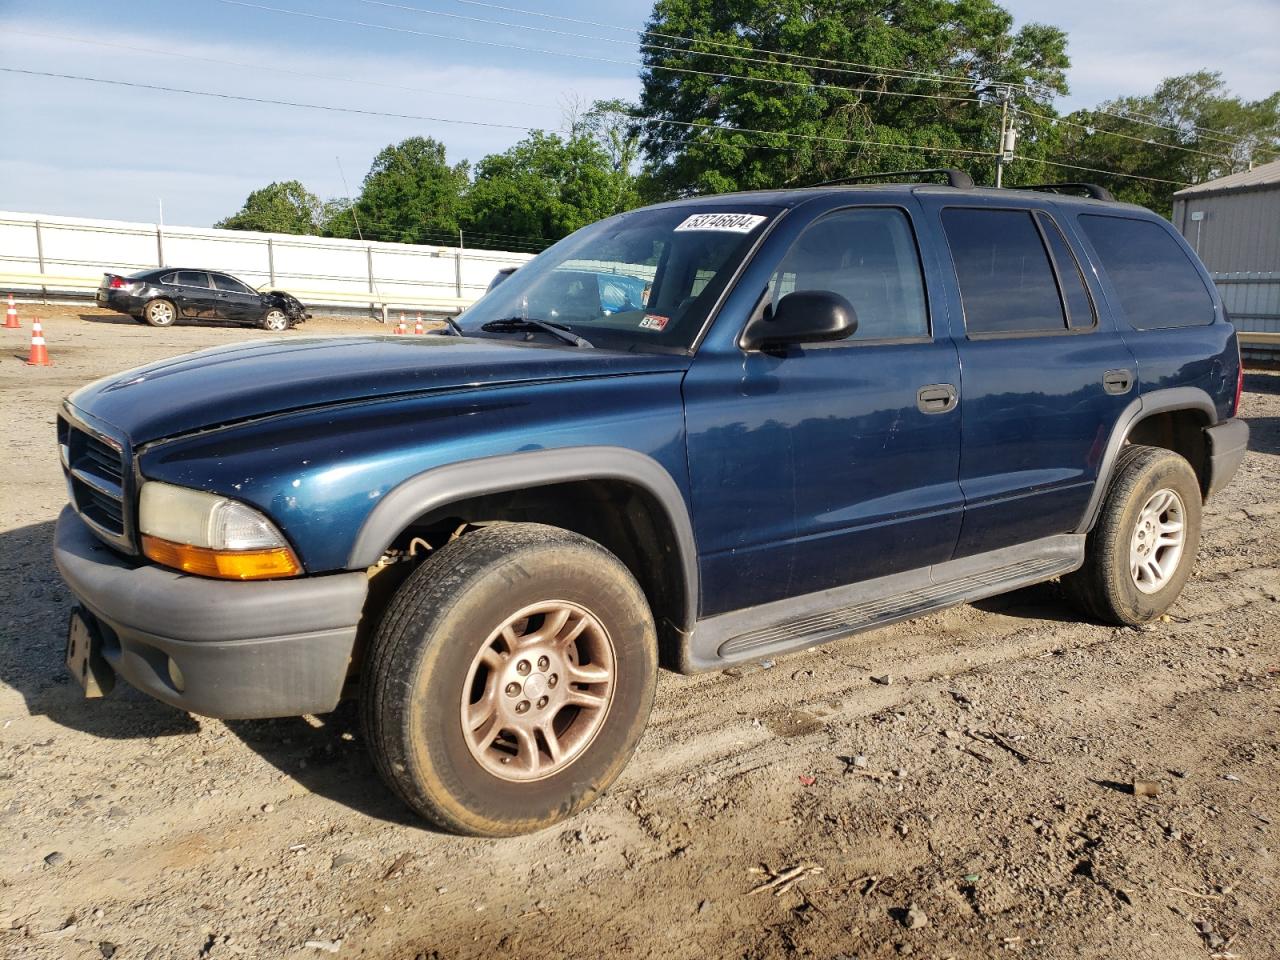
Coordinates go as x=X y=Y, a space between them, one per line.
x=1096 y=191
x=955 y=177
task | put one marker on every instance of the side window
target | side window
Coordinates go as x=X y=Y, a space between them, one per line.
x=190 y=278
x=1075 y=294
x=1156 y=281
x=1006 y=281
x=169 y=278
x=230 y=284
x=868 y=256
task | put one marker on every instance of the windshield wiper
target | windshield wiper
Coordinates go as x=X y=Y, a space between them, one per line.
x=452 y=326
x=528 y=323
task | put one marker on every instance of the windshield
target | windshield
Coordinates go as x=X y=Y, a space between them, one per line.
x=644 y=280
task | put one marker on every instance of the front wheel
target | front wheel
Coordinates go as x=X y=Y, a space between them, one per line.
x=510 y=680
x=1141 y=551
x=275 y=321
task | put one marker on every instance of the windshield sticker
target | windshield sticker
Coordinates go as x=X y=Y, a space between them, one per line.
x=725 y=222
x=651 y=321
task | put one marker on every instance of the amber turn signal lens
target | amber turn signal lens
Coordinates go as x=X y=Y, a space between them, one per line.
x=223 y=564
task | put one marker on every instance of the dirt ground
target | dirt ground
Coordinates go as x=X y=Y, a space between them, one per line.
x=979 y=804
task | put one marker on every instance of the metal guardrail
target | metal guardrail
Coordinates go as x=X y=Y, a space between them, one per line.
x=51 y=284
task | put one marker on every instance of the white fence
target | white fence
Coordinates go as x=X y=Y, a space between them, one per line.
x=68 y=255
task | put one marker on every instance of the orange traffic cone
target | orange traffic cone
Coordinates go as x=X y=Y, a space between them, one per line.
x=417 y=326
x=39 y=356
x=401 y=327
x=11 y=316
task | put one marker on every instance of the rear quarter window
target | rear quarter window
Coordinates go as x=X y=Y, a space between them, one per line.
x=1158 y=285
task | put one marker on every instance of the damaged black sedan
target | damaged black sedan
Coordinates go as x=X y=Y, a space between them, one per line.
x=163 y=296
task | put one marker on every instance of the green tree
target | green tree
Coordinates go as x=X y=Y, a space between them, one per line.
x=544 y=188
x=410 y=195
x=834 y=113
x=1190 y=129
x=286 y=207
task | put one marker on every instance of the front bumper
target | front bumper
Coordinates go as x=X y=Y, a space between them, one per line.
x=1228 y=443
x=277 y=648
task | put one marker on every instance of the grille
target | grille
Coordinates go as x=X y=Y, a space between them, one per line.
x=96 y=472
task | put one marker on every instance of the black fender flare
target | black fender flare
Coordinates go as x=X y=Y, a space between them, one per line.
x=1149 y=404
x=451 y=482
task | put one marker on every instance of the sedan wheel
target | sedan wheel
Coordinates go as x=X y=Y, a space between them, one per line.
x=276 y=321
x=160 y=313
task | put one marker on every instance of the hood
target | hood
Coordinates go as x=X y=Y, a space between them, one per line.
x=228 y=384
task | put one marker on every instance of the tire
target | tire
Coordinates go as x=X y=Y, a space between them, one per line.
x=276 y=320
x=1107 y=586
x=160 y=313
x=430 y=648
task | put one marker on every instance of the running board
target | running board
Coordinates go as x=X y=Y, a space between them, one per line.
x=793 y=624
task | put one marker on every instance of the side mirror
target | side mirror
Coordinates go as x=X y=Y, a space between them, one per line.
x=806 y=316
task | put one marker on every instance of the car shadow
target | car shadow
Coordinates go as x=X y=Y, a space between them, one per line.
x=120 y=318
x=1040 y=601
x=1260 y=381
x=111 y=318
x=33 y=643
x=1264 y=434
x=325 y=754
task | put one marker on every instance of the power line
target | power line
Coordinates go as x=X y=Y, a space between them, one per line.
x=507 y=126
x=867 y=69
x=247 y=99
x=133 y=48
x=1106 y=173
x=582 y=56
x=1123 y=136
x=726 y=44
x=685 y=70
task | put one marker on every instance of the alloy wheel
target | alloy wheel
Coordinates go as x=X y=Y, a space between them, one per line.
x=538 y=691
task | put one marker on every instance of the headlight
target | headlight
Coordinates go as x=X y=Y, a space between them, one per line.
x=209 y=535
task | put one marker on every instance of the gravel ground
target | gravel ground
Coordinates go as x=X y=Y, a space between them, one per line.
x=979 y=804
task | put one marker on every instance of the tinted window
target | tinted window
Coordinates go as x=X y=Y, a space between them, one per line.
x=223 y=282
x=190 y=278
x=1156 y=281
x=169 y=278
x=1006 y=281
x=1080 y=313
x=869 y=257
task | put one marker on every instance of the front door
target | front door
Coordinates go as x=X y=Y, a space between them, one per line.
x=1046 y=374
x=825 y=464
x=234 y=300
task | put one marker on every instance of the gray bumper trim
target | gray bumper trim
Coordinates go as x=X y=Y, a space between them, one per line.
x=265 y=649
x=1228 y=443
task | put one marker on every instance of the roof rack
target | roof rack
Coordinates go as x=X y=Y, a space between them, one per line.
x=1092 y=190
x=955 y=177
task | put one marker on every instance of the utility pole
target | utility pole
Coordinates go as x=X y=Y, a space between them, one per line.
x=1008 y=135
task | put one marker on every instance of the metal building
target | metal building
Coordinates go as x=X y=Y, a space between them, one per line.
x=1234 y=225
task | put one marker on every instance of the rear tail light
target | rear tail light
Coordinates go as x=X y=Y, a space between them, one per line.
x=117 y=283
x=1235 y=404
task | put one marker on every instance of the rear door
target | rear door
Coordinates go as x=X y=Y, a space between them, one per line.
x=234 y=300
x=1045 y=373
x=819 y=465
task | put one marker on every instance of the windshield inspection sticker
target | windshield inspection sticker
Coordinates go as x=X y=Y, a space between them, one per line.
x=651 y=321
x=725 y=222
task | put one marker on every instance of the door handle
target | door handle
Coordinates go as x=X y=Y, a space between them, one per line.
x=1117 y=381
x=937 y=398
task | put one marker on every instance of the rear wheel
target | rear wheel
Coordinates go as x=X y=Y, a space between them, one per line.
x=510 y=680
x=275 y=320
x=1141 y=551
x=160 y=313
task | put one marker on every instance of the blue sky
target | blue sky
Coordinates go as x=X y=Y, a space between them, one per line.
x=82 y=149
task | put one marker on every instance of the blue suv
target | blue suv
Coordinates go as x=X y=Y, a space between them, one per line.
x=814 y=412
